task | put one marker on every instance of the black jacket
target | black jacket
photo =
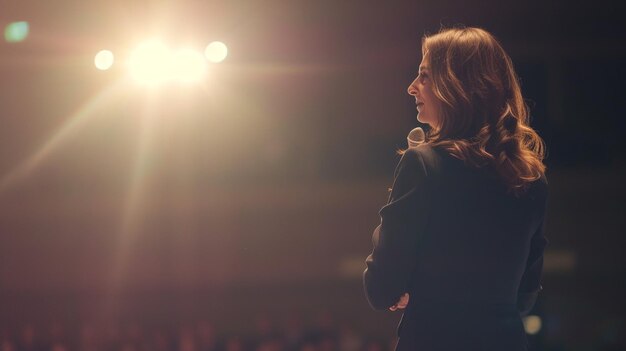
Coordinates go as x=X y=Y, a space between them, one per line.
x=469 y=254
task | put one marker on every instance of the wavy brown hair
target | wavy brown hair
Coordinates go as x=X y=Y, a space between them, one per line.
x=483 y=120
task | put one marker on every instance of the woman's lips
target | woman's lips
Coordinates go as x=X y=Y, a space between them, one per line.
x=420 y=105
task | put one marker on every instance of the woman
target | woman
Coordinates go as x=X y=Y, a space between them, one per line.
x=461 y=240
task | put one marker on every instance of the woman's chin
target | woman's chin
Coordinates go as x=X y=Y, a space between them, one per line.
x=423 y=120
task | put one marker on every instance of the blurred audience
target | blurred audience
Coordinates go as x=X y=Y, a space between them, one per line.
x=289 y=335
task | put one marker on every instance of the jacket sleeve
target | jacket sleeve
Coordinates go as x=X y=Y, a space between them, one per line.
x=530 y=285
x=395 y=240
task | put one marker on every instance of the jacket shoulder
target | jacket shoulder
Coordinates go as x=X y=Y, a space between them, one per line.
x=539 y=189
x=427 y=156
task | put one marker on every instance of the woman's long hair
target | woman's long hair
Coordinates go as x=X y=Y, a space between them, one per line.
x=483 y=118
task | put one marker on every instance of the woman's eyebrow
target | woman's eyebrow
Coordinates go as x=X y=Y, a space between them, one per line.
x=422 y=68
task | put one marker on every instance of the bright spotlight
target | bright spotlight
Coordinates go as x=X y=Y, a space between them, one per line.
x=216 y=52
x=532 y=324
x=188 y=65
x=16 y=32
x=150 y=63
x=104 y=60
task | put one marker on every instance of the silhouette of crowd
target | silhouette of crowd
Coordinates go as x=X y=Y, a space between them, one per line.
x=201 y=335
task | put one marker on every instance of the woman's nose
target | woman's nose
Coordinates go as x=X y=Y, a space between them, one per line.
x=411 y=90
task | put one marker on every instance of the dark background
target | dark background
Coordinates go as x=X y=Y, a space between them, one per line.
x=253 y=195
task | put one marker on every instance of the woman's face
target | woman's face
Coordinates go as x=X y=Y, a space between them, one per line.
x=421 y=89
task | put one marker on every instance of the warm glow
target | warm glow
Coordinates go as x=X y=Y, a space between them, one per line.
x=153 y=63
x=73 y=124
x=216 y=52
x=104 y=60
x=187 y=65
x=150 y=63
x=532 y=324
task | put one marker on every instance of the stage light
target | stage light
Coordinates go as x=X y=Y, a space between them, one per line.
x=188 y=65
x=150 y=63
x=216 y=52
x=104 y=60
x=532 y=324
x=16 y=32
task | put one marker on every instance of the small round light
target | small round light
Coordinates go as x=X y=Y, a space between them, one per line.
x=532 y=324
x=104 y=60
x=216 y=52
x=16 y=31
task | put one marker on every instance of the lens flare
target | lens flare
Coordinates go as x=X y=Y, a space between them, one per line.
x=153 y=63
x=188 y=65
x=150 y=63
x=216 y=52
x=104 y=60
